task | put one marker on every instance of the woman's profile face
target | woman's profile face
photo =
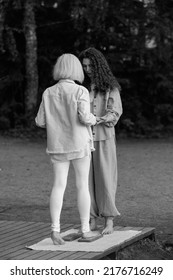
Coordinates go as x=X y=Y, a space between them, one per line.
x=87 y=66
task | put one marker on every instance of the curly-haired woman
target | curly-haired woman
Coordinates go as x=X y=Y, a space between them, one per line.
x=106 y=105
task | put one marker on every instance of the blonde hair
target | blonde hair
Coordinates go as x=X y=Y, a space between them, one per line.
x=68 y=66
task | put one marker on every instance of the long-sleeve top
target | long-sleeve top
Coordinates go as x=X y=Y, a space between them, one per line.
x=109 y=108
x=65 y=113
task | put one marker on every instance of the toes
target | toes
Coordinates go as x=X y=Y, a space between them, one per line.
x=107 y=231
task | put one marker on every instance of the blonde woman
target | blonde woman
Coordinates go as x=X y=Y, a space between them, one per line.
x=65 y=113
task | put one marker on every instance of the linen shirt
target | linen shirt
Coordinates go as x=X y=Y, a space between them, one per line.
x=109 y=108
x=65 y=113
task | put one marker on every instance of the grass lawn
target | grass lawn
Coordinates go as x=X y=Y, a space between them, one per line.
x=144 y=194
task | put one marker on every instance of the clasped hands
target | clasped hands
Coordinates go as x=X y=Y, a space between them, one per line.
x=99 y=120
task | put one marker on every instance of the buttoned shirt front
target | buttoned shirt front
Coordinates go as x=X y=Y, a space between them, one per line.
x=108 y=107
x=65 y=113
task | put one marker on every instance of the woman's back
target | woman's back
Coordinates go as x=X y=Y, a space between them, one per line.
x=65 y=132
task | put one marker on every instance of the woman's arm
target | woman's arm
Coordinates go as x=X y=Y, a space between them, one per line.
x=84 y=114
x=113 y=111
x=40 y=118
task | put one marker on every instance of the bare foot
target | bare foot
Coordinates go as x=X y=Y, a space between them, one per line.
x=93 y=224
x=108 y=226
x=56 y=238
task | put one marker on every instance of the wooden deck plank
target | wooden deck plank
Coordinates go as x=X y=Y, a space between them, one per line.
x=20 y=235
x=37 y=230
x=4 y=222
x=17 y=249
x=55 y=254
x=31 y=254
x=112 y=251
x=60 y=255
x=26 y=238
x=14 y=248
x=28 y=254
x=92 y=254
x=76 y=255
x=15 y=225
x=145 y=232
x=84 y=255
x=43 y=254
x=19 y=231
x=16 y=235
x=7 y=226
x=10 y=240
x=12 y=223
x=22 y=239
x=35 y=255
x=18 y=223
x=48 y=256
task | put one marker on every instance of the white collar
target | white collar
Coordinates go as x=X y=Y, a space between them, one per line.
x=67 y=81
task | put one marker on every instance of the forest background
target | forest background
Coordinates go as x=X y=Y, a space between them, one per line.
x=135 y=36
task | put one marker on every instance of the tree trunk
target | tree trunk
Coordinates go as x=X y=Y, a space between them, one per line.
x=31 y=58
x=3 y=6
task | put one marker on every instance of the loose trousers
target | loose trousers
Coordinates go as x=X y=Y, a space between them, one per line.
x=103 y=179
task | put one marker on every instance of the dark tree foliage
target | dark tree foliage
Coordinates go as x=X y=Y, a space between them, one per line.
x=135 y=36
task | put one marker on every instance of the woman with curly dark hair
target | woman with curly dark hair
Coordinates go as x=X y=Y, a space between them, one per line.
x=106 y=105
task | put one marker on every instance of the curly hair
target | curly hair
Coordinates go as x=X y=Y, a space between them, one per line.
x=102 y=76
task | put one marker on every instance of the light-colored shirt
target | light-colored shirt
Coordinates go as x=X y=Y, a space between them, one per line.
x=109 y=108
x=65 y=113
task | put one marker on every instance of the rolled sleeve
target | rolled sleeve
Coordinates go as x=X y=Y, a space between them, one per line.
x=85 y=116
x=114 y=109
x=40 y=119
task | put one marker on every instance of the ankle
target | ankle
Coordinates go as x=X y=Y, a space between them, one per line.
x=92 y=219
x=93 y=223
x=109 y=220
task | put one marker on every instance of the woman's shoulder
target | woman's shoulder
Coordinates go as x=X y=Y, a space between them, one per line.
x=83 y=89
x=50 y=89
x=114 y=91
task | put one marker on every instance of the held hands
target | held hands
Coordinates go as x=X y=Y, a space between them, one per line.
x=98 y=120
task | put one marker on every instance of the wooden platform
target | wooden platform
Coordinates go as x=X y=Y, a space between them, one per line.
x=15 y=235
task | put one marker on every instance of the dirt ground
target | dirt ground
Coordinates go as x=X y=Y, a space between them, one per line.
x=144 y=196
